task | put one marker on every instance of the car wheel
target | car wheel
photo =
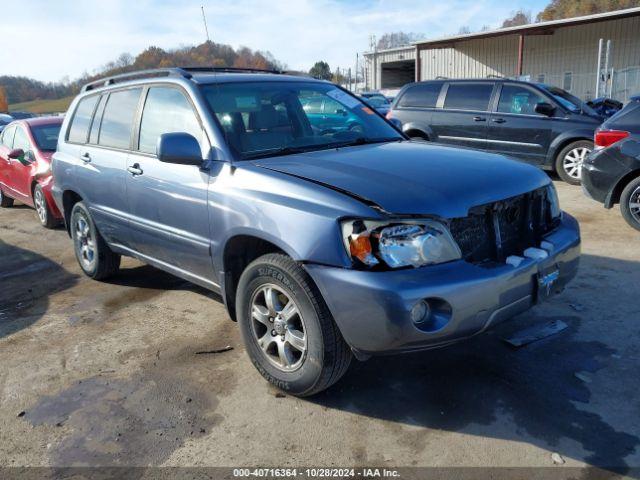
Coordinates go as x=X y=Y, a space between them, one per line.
x=5 y=202
x=95 y=257
x=42 y=208
x=570 y=159
x=630 y=203
x=289 y=333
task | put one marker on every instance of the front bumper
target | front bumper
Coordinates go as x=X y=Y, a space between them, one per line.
x=372 y=309
x=47 y=188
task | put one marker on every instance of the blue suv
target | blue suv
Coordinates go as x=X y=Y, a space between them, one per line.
x=324 y=242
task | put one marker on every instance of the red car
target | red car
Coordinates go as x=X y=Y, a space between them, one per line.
x=26 y=147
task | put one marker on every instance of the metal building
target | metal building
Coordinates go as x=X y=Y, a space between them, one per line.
x=567 y=53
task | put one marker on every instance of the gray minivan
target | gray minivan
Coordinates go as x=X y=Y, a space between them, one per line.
x=533 y=122
x=325 y=243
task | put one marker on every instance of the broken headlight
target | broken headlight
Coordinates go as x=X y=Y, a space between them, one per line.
x=400 y=243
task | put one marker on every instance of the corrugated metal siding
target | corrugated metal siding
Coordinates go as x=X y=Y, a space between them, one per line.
x=473 y=58
x=570 y=49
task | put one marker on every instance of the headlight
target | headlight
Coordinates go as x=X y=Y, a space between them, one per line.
x=399 y=243
x=554 y=202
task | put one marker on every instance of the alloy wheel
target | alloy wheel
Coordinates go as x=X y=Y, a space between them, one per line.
x=85 y=242
x=278 y=328
x=573 y=160
x=634 y=204
x=41 y=206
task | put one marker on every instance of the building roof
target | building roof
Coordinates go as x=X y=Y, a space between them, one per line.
x=521 y=29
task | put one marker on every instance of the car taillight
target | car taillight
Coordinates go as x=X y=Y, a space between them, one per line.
x=604 y=138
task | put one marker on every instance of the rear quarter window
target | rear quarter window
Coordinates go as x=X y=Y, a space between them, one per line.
x=79 y=129
x=421 y=95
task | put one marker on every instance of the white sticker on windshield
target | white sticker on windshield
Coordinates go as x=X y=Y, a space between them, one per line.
x=344 y=98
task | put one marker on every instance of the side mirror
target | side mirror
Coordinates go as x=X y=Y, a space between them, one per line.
x=180 y=148
x=16 y=153
x=544 y=108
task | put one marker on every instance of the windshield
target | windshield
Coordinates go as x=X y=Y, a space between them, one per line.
x=46 y=136
x=568 y=101
x=262 y=119
x=377 y=102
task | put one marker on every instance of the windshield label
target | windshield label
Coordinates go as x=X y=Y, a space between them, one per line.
x=344 y=98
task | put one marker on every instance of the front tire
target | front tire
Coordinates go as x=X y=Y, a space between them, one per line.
x=95 y=257
x=289 y=333
x=630 y=203
x=570 y=159
x=45 y=216
x=5 y=202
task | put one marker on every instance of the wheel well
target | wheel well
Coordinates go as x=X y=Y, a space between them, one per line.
x=560 y=147
x=239 y=252
x=622 y=183
x=415 y=133
x=69 y=199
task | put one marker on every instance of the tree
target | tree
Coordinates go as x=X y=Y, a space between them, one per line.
x=517 y=18
x=397 y=39
x=321 y=70
x=464 y=30
x=4 y=105
x=558 y=9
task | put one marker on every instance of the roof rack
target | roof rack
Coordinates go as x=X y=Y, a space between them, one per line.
x=185 y=72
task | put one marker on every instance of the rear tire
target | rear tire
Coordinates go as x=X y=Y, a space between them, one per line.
x=47 y=220
x=5 y=202
x=95 y=257
x=630 y=203
x=292 y=339
x=569 y=161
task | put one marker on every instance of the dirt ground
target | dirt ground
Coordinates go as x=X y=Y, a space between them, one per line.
x=118 y=374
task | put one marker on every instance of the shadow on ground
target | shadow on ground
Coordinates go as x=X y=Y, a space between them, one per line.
x=466 y=387
x=27 y=280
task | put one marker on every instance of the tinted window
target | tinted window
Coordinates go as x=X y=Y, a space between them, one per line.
x=626 y=119
x=468 y=96
x=422 y=95
x=46 y=136
x=312 y=104
x=331 y=107
x=520 y=100
x=7 y=136
x=81 y=119
x=97 y=119
x=166 y=110
x=115 y=130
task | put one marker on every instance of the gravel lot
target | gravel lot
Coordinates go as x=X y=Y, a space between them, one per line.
x=115 y=374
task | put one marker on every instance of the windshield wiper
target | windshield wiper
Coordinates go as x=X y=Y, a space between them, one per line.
x=274 y=152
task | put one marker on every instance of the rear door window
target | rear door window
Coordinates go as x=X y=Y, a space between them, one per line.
x=468 y=96
x=97 y=119
x=117 y=121
x=421 y=95
x=166 y=110
x=79 y=129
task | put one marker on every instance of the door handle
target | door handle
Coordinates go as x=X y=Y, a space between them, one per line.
x=135 y=169
x=479 y=119
x=85 y=157
x=498 y=120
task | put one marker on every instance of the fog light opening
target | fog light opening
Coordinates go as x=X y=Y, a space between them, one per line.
x=420 y=312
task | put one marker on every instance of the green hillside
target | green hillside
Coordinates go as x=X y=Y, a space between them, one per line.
x=43 y=106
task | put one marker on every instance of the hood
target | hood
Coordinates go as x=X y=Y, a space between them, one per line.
x=412 y=177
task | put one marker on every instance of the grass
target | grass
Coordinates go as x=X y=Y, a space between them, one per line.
x=43 y=106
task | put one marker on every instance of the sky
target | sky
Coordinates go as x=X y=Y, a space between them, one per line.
x=56 y=40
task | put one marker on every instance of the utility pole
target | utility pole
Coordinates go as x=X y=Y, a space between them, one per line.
x=204 y=19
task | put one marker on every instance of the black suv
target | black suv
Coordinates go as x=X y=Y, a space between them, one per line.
x=533 y=122
x=611 y=173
